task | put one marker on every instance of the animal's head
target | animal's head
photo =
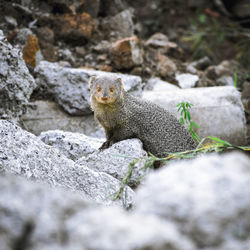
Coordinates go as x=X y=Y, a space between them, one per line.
x=106 y=89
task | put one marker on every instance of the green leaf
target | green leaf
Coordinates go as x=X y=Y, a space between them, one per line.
x=220 y=141
x=185 y=115
x=182 y=120
x=188 y=116
x=194 y=124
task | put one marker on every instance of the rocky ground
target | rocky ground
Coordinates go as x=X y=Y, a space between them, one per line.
x=58 y=191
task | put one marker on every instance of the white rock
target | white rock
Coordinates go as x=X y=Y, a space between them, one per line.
x=217 y=110
x=16 y=83
x=116 y=159
x=187 y=80
x=157 y=84
x=225 y=81
x=24 y=154
x=47 y=115
x=72 y=145
x=208 y=198
x=112 y=229
x=158 y=40
x=70 y=86
x=52 y=218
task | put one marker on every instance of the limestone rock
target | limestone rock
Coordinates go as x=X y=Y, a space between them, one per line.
x=225 y=81
x=116 y=160
x=165 y=65
x=204 y=197
x=24 y=154
x=118 y=26
x=47 y=115
x=158 y=40
x=72 y=145
x=73 y=27
x=246 y=96
x=217 y=110
x=224 y=73
x=40 y=217
x=16 y=84
x=187 y=80
x=70 y=86
x=157 y=84
x=31 y=51
x=126 y=53
x=200 y=64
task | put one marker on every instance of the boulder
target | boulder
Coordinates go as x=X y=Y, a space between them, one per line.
x=187 y=80
x=158 y=40
x=73 y=145
x=16 y=84
x=118 y=26
x=208 y=198
x=47 y=115
x=24 y=154
x=35 y=216
x=73 y=27
x=70 y=88
x=126 y=53
x=200 y=64
x=118 y=159
x=157 y=84
x=165 y=65
x=217 y=110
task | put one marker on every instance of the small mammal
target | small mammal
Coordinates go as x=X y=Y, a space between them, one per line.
x=124 y=116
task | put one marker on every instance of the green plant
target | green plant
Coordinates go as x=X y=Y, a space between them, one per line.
x=184 y=107
x=235 y=78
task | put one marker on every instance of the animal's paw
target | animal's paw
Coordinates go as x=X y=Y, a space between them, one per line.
x=105 y=145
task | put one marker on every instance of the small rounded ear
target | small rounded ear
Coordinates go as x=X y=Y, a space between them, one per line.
x=92 y=78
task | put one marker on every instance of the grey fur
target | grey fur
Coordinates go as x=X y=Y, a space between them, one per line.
x=131 y=117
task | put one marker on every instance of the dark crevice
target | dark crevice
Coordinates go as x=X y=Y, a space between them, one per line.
x=23 y=241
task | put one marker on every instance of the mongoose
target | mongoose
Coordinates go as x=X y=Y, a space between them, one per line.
x=124 y=116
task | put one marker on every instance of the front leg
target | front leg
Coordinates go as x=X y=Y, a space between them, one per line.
x=108 y=142
x=116 y=135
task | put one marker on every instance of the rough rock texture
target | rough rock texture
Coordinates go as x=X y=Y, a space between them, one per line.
x=157 y=84
x=224 y=73
x=200 y=64
x=186 y=81
x=16 y=84
x=72 y=145
x=74 y=27
x=47 y=115
x=116 y=160
x=217 y=110
x=126 y=53
x=208 y=198
x=34 y=216
x=69 y=86
x=119 y=26
x=31 y=51
x=165 y=65
x=24 y=154
x=158 y=40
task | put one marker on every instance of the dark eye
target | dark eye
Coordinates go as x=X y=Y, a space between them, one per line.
x=98 y=89
x=111 y=90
